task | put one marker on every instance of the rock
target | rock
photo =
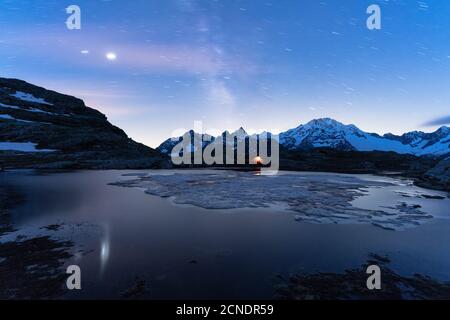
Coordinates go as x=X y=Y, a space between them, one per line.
x=351 y=285
x=440 y=174
x=136 y=291
x=53 y=227
x=33 y=268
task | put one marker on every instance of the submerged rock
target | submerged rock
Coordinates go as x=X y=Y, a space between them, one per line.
x=33 y=268
x=30 y=268
x=136 y=291
x=351 y=285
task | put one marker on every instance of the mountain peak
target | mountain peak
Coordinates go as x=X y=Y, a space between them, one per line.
x=330 y=123
x=444 y=129
x=329 y=133
x=324 y=121
x=240 y=132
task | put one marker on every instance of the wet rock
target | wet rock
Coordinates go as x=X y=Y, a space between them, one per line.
x=438 y=176
x=136 y=291
x=33 y=268
x=53 y=227
x=351 y=285
x=29 y=268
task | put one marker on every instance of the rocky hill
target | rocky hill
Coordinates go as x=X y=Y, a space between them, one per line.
x=40 y=128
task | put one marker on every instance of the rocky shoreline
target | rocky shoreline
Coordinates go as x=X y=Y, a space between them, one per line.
x=30 y=268
x=351 y=285
x=426 y=172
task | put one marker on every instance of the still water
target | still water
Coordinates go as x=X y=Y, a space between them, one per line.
x=188 y=252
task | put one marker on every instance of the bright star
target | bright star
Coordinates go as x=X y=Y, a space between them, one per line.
x=111 y=56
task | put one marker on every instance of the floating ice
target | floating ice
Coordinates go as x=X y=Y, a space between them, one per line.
x=312 y=197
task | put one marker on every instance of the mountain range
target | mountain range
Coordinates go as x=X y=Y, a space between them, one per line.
x=329 y=133
x=44 y=129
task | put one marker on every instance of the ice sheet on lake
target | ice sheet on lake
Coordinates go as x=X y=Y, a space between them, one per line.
x=315 y=198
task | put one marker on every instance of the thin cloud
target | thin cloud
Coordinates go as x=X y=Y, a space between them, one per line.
x=442 y=121
x=220 y=94
x=207 y=59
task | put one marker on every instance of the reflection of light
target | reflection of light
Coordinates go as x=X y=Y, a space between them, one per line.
x=104 y=255
x=104 y=251
x=84 y=51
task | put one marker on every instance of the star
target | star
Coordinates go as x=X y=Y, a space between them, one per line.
x=111 y=56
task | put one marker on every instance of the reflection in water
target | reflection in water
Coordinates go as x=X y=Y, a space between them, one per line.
x=104 y=250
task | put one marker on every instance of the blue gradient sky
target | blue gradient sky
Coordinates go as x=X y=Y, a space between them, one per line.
x=257 y=64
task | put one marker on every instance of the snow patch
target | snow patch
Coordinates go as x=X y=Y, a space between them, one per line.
x=21 y=146
x=25 y=109
x=7 y=117
x=333 y=134
x=29 y=98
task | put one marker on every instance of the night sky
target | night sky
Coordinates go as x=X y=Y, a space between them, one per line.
x=156 y=66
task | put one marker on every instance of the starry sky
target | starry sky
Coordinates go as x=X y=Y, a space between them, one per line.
x=156 y=66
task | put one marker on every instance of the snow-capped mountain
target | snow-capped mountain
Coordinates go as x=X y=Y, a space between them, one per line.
x=240 y=135
x=167 y=146
x=333 y=134
x=329 y=133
